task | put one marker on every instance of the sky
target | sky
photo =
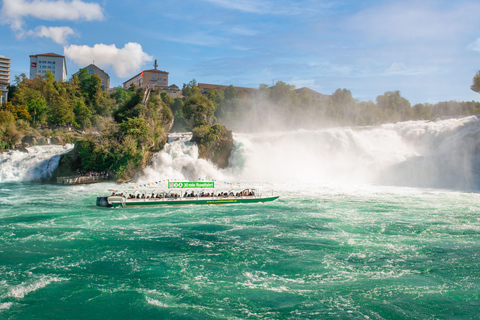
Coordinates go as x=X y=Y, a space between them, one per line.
x=429 y=50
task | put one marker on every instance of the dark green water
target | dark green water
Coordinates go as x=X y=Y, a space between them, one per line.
x=317 y=253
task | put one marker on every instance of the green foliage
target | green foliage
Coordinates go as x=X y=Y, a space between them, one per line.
x=135 y=127
x=167 y=99
x=476 y=83
x=82 y=114
x=191 y=89
x=6 y=117
x=124 y=142
x=198 y=111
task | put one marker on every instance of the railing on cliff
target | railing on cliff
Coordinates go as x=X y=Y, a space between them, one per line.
x=81 y=179
x=146 y=95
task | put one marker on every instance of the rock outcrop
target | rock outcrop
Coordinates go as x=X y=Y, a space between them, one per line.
x=215 y=141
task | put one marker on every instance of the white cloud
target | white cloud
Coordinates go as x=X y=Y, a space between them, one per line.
x=243 y=31
x=396 y=67
x=407 y=20
x=243 y=5
x=14 y=11
x=57 y=34
x=125 y=61
x=475 y=45
x=276 y=7
x=197 y=39
x=401 y=69
x=300 y=83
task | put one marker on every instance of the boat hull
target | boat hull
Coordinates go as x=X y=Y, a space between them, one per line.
x=122 y=202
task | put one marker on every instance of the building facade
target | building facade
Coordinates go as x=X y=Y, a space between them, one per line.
x=41 y=63
x=93 y=69
x=154 y=79
x=4 y=78
x=148 y=78
x=205 y=87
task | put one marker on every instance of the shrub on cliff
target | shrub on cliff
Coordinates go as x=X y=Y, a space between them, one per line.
x=125 y=142
x=198 y=111
x=214 y=141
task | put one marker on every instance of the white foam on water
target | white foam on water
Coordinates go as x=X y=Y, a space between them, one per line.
x=5 y=306
x=37 y=164
x=426 y=154
x=21 y=290
x=156 y=303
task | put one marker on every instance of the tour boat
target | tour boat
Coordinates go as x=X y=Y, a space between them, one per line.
x=182 y=194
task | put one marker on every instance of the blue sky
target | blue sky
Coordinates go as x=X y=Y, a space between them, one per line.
x=429 y=49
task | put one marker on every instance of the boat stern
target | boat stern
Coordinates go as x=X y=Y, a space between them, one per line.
x=112 y=201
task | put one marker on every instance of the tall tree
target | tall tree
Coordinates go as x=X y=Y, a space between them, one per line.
x=476 y=83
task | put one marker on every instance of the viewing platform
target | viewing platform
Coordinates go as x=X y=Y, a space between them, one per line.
x=81 y=179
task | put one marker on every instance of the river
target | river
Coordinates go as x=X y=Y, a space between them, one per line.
x=372 y=223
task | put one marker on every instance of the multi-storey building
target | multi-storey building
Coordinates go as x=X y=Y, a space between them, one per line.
x=148 y=78
x=41 y=63
x=93 y=69
x=4 y=78
x=153 y=79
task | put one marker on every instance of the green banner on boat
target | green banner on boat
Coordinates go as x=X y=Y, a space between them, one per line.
x=186 y=185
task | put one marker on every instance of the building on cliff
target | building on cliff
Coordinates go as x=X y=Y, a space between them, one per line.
x=41 y=63
x=204 y=87
x=154 y=79
x=313 y=94
x=4 y=78
x=93 y=69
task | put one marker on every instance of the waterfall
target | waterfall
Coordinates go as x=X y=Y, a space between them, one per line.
x=432 y=154
x=38 y=163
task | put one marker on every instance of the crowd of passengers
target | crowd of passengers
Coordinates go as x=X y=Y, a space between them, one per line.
x=186 y=195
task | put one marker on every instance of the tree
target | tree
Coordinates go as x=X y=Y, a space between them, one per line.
x=198 y=111
x=166 y=98
x=191 y=89
x=345 y=104
x=476 y=83
x=394 y=106
x=230 y=93
x=82 y=114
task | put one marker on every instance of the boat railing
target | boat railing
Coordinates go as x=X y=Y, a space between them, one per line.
x=196 y=197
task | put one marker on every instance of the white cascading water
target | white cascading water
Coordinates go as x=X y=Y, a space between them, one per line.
x=38 y=163
x=433 y=154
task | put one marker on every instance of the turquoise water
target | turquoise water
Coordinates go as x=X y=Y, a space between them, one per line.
x=319 y=252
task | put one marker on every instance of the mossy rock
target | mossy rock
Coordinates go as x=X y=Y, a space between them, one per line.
x=215 y=144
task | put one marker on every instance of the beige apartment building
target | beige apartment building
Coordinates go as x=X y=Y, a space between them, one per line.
x=41 y=63
x=4 y=78
x=154 y=79
x=93 y=69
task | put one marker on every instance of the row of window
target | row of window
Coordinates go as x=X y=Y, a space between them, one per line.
x=47 y=62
